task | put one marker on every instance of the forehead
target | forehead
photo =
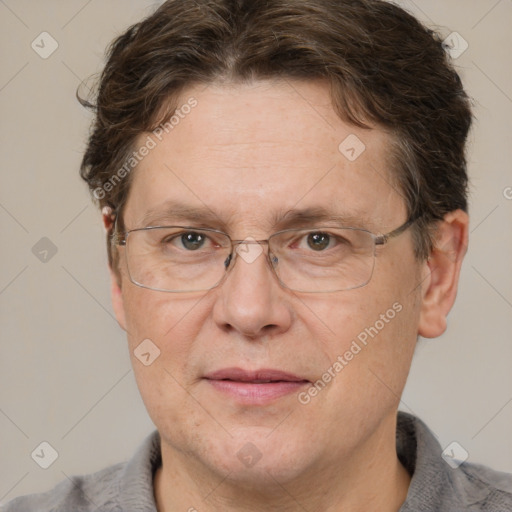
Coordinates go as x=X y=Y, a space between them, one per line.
x=246 y=152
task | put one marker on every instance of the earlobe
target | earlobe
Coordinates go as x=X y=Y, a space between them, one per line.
x=442 y=271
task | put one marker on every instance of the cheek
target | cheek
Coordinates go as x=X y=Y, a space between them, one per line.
x=371 y=335
x=159 y=315
x=165 y=326
x=367 y=370
x=161 y=330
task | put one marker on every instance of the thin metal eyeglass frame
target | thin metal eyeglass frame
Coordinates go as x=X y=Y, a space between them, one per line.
x=121 y=239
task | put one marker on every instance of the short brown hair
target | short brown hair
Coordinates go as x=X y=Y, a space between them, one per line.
x=383 y=67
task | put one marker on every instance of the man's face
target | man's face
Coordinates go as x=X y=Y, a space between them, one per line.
x=251 y=153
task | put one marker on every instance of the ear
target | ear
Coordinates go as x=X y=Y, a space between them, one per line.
x=116 y=293
x=441 y=273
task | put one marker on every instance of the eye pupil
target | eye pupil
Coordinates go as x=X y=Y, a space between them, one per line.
x=192 y=241
x=318 y=241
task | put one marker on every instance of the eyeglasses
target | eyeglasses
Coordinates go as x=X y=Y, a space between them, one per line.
x=315 y=260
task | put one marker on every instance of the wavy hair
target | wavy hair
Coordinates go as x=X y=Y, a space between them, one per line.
x=383 y=67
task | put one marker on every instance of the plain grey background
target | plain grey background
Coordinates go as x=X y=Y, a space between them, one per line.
x=65 y=374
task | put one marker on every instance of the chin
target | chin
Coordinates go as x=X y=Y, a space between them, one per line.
x=257 y=457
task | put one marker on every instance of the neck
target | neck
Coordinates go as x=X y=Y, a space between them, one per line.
x=372 y=478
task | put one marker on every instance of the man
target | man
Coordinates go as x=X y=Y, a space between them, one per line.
x=283 y=185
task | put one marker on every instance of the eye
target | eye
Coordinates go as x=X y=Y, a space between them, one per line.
x=323 y=241
x=190 y=240
x=318 y=241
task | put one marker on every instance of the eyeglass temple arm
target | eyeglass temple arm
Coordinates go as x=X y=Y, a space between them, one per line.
x=116 y=237
x=382 y=239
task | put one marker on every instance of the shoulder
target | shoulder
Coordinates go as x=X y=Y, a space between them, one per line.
x=122 y=487
x=97 y=491
x=440 y=482
x=485 y=489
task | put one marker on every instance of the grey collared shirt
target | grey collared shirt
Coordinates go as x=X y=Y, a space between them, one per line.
x=435 y=485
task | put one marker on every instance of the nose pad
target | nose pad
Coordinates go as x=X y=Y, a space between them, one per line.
x=228 y=260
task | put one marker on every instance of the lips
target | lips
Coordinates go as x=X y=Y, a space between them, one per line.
x=256 y=387
x=258 y=376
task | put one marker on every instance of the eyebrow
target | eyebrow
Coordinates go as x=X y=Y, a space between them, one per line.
x=175 y=211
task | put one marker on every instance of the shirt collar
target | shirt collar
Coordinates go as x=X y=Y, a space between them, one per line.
x=136 y=481
x=434 y=485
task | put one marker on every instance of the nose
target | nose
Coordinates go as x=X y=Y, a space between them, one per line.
x=251 y=300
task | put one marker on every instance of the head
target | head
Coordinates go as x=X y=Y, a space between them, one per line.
x=243 y=109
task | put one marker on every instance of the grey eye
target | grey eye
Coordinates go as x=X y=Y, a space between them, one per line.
x=192 y=240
